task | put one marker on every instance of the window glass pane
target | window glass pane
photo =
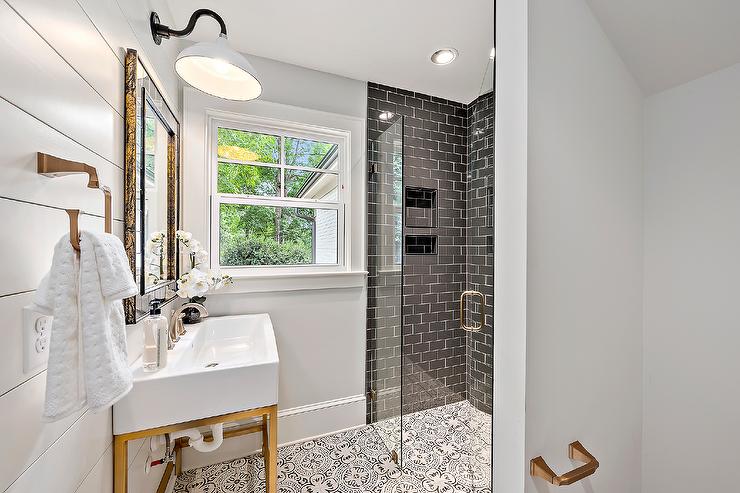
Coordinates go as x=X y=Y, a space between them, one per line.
x=266 y=235
x=248 y=146
x=310 y=153
x=247 y=179
x=311 y=185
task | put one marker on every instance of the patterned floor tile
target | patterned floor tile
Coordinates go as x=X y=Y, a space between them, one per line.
x=445 y=450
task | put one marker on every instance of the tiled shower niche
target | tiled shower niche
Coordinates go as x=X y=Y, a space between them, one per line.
x=420 y=245
x=420 y=207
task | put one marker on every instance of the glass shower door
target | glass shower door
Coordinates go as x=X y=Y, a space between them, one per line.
x=475 y=468
x=385 y=286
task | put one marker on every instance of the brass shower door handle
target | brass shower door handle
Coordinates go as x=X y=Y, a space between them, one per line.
x=539 y=468
x=463 y=319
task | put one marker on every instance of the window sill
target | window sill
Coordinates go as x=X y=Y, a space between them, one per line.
x=264 y=283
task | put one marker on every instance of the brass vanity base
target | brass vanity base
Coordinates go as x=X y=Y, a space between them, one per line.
x=268 y=427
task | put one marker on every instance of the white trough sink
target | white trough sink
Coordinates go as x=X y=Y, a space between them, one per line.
x=221 y=365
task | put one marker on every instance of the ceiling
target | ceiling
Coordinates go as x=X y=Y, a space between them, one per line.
x=385 y=41
x=665 y=43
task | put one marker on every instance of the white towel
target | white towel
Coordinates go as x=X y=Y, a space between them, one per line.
x=87 y=353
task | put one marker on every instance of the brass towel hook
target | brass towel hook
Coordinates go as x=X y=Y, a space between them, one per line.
x=539 y=468
x=74 y=228
x=53 y=166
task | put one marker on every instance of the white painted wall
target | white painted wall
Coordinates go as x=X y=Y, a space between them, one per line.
x=510 y=259
x=692 y=240
x=631 y=247
x=61 y=92
x=319 y=321
x=584 y=249
x=297 y=86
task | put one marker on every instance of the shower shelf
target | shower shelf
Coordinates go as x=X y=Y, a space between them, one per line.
x=420 y=207
x=421 y=245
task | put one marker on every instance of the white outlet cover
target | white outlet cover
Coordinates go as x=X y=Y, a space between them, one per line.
x=43 y=325
x=36 y=336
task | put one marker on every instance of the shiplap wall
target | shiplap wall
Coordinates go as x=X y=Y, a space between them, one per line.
x=61 y=92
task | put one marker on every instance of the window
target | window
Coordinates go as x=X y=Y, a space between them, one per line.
x=278 y=195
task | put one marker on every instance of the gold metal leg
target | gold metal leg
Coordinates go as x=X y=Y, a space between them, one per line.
x=272 y=478
x=178 y=459
x=265 y=447
x=120 y=464
x=165 y=478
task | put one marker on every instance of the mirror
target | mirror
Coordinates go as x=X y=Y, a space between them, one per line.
x=151 y=189
x=157 y=137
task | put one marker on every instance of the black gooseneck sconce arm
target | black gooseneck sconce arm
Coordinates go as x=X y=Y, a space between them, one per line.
x=160 y=31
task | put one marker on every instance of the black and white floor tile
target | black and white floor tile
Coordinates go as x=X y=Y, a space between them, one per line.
x=445 y=450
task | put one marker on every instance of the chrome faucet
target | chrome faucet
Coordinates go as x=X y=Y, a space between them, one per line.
x=177 y=328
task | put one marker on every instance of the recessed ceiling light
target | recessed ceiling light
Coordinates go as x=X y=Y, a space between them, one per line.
x=386 y=115
x=493 y=53
x=444 y=56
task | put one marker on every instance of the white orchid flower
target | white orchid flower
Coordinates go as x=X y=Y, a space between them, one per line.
x=201 y=278
x=221 y=280
x=201 y=257
x=218 y=283
x=183 y=292
x=199 y=281
x=188 y=289
x=194 y=246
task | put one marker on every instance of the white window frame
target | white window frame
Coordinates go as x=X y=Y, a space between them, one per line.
x=283 y=129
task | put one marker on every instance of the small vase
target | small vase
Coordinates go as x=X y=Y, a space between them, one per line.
x=192 y=315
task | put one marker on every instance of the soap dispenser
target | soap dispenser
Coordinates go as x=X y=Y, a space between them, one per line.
x=156 y=339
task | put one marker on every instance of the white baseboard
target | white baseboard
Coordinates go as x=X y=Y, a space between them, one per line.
x=296 y=424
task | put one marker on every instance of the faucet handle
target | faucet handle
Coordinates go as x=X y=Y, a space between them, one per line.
x=176 y=330
x=180 y=326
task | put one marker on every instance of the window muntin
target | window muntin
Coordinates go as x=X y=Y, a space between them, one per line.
x=278 y=197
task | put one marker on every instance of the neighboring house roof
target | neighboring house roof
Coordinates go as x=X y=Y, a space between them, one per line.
x=315 y=183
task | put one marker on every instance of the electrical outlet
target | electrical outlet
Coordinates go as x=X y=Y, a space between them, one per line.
x=36 y=336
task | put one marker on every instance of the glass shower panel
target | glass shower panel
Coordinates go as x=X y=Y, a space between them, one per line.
x=385 y=275
x=476 y=469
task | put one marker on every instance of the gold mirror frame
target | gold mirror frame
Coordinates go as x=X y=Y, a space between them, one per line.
x=136 y=307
